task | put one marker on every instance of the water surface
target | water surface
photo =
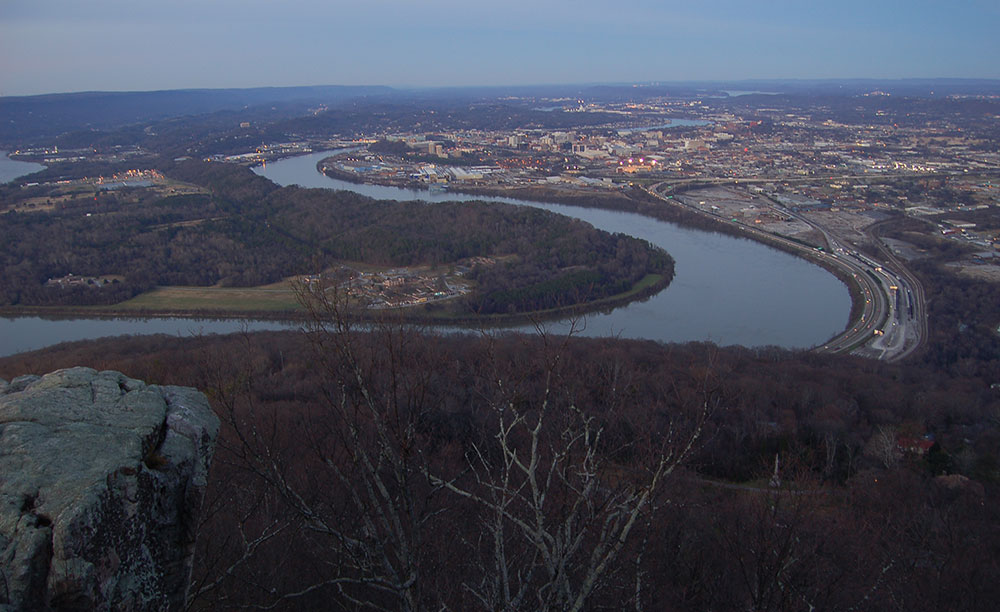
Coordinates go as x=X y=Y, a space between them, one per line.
x=726 y=290
x=10 y=169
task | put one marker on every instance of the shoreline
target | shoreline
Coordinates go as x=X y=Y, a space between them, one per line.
x=362 y=316
x=638 y=201
x=632 y=200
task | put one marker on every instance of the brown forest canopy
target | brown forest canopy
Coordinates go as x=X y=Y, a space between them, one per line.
x=854 y=525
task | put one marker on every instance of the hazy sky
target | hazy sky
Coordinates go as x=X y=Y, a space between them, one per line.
x=76 y=45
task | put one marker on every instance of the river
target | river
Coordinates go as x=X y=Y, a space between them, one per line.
x=10 y=169
x=725 y=290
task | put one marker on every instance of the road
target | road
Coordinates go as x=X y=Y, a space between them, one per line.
x=897 y=325
x=913 y=305
x=892 y=322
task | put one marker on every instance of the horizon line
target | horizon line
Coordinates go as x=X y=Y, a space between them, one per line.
x=411 y=87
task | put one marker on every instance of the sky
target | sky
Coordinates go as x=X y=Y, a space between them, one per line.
x=50 y=46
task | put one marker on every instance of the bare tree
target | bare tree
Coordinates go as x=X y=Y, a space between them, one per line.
x=343 y=476
x=547 y=493
x=775 y=558
x=883 y=447
x=561 y=492
x=239 y=502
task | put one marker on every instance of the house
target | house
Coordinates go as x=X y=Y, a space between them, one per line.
x=915 y=446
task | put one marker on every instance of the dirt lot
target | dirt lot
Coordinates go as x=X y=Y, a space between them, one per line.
x=981 y=272
x=846 y=224
x=733 y=203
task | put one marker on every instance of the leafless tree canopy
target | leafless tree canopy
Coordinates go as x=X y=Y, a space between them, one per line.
x=539 y=503
x=840 y=531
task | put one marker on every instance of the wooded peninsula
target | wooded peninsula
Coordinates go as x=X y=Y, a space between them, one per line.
x=220 y=225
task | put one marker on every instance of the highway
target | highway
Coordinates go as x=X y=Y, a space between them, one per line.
x=912 y=303
x=892 y=322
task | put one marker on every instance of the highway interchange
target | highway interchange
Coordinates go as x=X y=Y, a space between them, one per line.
x=892 y=322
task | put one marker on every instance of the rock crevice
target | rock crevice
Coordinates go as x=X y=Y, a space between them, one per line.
x=101 y=485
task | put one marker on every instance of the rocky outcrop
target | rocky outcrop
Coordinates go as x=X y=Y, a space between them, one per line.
x=101 y=485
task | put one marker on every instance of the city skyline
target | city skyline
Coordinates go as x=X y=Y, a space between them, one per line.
x=112 y=45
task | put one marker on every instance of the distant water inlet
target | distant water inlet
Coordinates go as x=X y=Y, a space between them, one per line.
x=19 y=334
x=10 y=169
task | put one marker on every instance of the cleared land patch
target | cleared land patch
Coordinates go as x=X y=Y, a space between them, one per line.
x=274 y=297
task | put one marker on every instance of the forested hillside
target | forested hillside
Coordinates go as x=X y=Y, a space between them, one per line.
x=418 y=472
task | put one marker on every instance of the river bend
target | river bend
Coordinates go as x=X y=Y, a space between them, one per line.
x=726 y=290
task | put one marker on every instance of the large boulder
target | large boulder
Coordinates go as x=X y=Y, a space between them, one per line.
x=101 y=484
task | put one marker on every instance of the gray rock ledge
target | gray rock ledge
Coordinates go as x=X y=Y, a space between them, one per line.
x=101 y=485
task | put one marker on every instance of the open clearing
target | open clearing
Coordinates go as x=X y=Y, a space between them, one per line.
x=275 y=297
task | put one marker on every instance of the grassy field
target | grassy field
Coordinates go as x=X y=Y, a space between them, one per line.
x=279 y=297
x=645 y=283
x=275 y=297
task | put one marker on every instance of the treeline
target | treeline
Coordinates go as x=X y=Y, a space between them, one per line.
x=144 y=238
x=850 y=522
x=50 y=115
x=962 y=314
x=589 y=267
x=628 y=199
x=545 y=260
x=399 y=148
x=962 y=319
x=249 y=232
x=390 y=147
x=436 y=115
x=219 y=132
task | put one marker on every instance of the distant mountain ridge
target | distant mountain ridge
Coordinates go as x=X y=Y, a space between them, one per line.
x=54 y=114
x=43 y=117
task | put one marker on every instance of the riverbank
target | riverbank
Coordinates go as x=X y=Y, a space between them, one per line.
x=782 y=243
x=626 y=198
x=11 y=169
x=726 y=290
x=639 y=201
x=646 y=287
x=633 y=200
x=781 y=300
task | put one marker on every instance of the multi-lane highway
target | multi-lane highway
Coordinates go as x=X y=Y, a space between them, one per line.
x=892 y=321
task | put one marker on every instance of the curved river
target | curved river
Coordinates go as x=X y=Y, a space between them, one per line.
x=725 y=290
